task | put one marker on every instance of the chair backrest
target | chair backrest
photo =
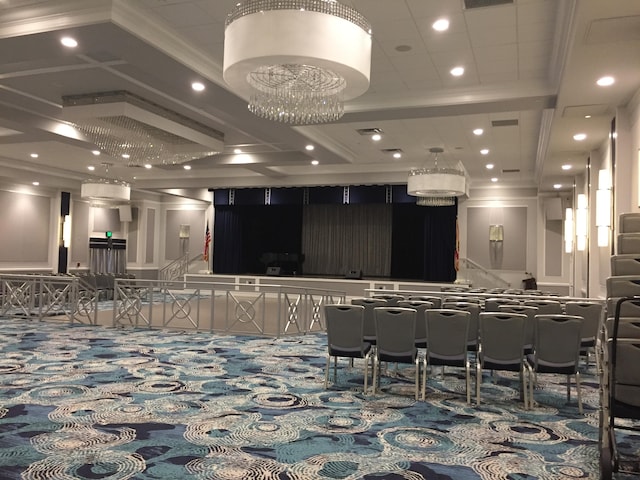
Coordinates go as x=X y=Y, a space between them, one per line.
x=395 y=334
x=437 y=301
x=460 y=298
x=557 y=340
x=502 y=338
x=626 y=377
x=628 y=327
x=530 y=311
x=546 y=307
x=369 y=321
x=392 y=299
x=628 y=264
x=419 y=306
x=592 y=316
x=474 y=309
x=629 y=223
x=628 y=243
x=628 y=308
x=345 y=327
x=492 y=304
x=447 y=333
x=623 y=286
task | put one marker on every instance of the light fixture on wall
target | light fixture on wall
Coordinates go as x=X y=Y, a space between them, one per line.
x=438 y=183
x=603 y=207
x=581 y=223
x=568 y=230
x=66 y=231
x=138 y=132
x=297 y=61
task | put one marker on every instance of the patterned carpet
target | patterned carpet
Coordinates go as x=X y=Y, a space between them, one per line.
x=83 y=402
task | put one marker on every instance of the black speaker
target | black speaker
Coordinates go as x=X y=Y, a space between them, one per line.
x=354 y=274
x=275 y=271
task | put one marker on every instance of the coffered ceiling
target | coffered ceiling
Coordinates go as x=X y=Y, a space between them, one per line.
x=531 y=68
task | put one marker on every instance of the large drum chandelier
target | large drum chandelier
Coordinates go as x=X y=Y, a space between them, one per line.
x=438 y=183
x=297 y=61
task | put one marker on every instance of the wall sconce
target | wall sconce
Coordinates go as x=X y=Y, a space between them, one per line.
x=568 y=230
x=603 y=207
x=581 y=223
x=66 y=231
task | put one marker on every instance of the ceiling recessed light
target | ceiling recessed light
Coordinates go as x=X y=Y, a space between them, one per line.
x=489 y=166
x=69 y=42
x=404 y=48
x=376 y=137
x=95 y=152
x=457 y=71
x=91 y=167
x=147 y=166
x=397 y=155
x=187 y=167
x=34 y=155
x=35 y=184
x=566 y=167
x=197 y=86
x=309 y=147
x=478 y=131
x=125 y=155
x=557 y=186
x=314 y=162
x=494 y=179
x=441 y=25
x=237 y=151
x=606 y=81
x=587 y=116
x=484 y=151
x=579 y=136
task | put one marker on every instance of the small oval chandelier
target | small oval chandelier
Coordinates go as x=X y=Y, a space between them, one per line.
x=438 y=183
x=297 y=61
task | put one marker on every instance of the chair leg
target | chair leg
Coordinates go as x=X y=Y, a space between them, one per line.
x=424 y=378
x=376 y=368
x=579 y=392
x=478 y=381
x=326 y=372
x=366 y=375
x=335 y=369
x=568 y=388
x=417 y=379
x=468 y=375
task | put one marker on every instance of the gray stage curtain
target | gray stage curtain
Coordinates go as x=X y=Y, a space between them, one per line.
x=339 y=238
x=102 y=260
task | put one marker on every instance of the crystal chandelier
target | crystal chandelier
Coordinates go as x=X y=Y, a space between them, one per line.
x=311 y=56
x=104 y=191
x=437 y=184
x=128 y=127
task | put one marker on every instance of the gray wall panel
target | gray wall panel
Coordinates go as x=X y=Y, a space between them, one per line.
x=106 y=219
x=511 y=253
x=553 y=248
x=132 y=239
x=24 y=227
x=175 y=247
x=79 y=233
x=150 y=240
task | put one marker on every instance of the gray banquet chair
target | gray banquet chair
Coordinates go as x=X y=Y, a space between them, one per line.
x=528 y=310
x=421 y=327
x=345 y=326
x=436 y=300
x=447 y=333
x=545 y=307
x=369 y=321
x=474 y=309
x=592 y=315
x=502 y=339
x=396 y=328
x=492 y=304
x=556 y=350
x=391 y=299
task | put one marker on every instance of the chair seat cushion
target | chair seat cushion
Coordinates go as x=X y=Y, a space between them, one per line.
x=355 y=352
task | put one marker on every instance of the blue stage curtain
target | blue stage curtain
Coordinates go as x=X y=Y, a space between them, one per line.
x=243 y=233
x=423 y=243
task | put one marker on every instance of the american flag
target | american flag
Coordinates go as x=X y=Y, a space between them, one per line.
x=207 y=242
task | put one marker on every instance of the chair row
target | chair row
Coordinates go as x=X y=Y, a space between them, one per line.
x=500 y=345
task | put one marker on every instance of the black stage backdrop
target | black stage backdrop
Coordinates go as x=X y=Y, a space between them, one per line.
x=423 y=239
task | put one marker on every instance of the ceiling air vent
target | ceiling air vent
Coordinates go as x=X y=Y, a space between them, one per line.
x=469 y=4
x=505 y=123
x=510 y=170
x=369 y=131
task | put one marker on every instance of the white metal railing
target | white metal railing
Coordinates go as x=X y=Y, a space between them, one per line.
x=476 y=275
x=265 y=310
x=177 y=268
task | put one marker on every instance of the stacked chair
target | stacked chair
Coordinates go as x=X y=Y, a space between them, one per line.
x=620 y=346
